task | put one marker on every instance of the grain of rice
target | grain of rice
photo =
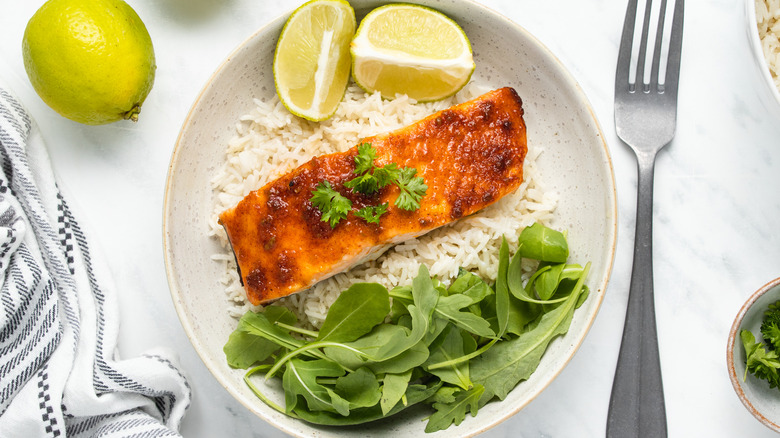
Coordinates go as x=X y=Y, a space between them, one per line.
x=269 y=142
x=768 y=18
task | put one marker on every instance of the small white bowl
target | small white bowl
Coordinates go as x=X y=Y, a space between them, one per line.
x=759 y=399
x=770 y=95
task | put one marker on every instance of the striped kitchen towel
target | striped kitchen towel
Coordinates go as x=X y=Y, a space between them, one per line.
x=59 y=320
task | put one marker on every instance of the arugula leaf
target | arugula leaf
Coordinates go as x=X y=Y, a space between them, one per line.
x=355 y=312
x=556 y=281
x=366 y=349
x=414 y=394
x=332 y=204
x=370 y=350
x=259 y=394
x=547 y=283
x=544 y=244
x=388 y=341
x=425 y=298
x=445 y=394
x=455 y=412
x=339 y=403
x=451 y=344
x=450 y=306
x=258 y=324
x=544 y=283
x=402 y=297
x=502 y=290
x=502 y=367
x=393 y=389
x=470 y=285
x=244 y=348
x=371 y=214
x=410 y=358
x=521 y=313
x=300 y=379
x=501 y=310
x=381 y=344
x=413 y=188
x=360 y=389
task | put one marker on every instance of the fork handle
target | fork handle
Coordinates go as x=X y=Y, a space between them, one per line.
x=636 y=406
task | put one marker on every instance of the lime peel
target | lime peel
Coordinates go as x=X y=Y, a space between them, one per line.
x=132 y=115
x=95 y=77
x=412 y=50
x=312 y=60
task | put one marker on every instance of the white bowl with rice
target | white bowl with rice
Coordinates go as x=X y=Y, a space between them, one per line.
x=237 y=136
x=762 y=18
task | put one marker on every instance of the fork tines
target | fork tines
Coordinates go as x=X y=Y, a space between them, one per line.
x=672 y=49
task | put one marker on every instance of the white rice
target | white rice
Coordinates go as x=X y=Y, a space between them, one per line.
x=269 y=142
x=768 y=17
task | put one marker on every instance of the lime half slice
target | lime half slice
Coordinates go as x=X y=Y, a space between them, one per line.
x=312 y=59
x=412 y=50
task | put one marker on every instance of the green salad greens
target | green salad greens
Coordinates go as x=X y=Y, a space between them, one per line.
x=453 y=348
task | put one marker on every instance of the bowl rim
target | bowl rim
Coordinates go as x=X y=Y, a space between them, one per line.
x=732 y=344
x=173 y=286
x=755 y=47
x=601 y=287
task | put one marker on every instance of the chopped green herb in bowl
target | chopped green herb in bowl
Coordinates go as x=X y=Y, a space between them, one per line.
x=753 y=358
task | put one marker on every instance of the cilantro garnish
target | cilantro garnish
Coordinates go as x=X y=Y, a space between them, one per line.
x=372 y=213
x=333 y=205
x=370 y=177
x=366 y=184
x=369 y=180
x=412 y=187
x=387 y=174
x=364 y=160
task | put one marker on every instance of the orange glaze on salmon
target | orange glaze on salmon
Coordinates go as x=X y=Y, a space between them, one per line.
x=469 y=155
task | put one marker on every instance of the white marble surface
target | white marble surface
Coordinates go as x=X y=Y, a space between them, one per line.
x=717 y=203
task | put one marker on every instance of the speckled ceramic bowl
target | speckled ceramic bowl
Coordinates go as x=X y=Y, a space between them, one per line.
x=768 y=92
x=759 y=399
x=575 y=163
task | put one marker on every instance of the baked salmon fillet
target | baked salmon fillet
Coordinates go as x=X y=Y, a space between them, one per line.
x=469 y=156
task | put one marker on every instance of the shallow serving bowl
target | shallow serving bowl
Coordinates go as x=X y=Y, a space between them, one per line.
x=576 y=164
x=769 y=94
x=759 y=399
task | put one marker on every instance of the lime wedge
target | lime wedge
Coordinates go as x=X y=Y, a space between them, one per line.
x=412 y=50
x=312 y=59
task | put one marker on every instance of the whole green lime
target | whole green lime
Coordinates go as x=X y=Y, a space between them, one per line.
x=92 y=61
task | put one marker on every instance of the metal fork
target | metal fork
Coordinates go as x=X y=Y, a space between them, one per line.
x=645 y=119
